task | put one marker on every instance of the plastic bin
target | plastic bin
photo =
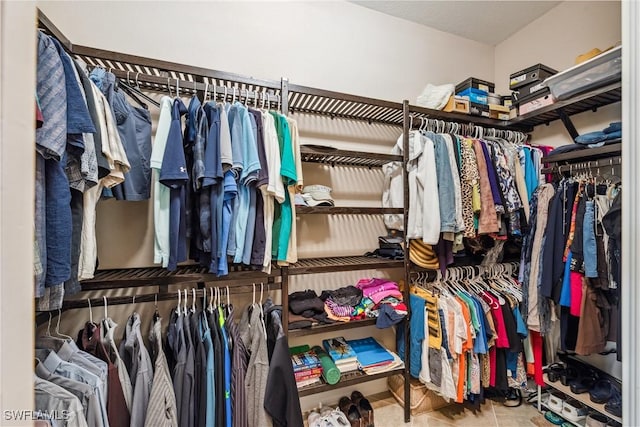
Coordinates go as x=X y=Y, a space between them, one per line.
x=599 y=71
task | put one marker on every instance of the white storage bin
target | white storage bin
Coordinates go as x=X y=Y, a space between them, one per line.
x=598 y=71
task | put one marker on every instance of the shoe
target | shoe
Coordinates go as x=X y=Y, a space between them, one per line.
x=596 y=420
x=365 y=408
x=601 y=391
x=569 y=374
x=351 y=411
x=556 y=400
x=554 y=371
x=614 y=405
x=513 y=399
x=314 y=419
x=553 y=418
x=574 y=411
x=339 y=418
x=584 y=382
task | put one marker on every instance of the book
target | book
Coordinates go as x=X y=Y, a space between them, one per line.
x=306 y=383
x=370 y=352
x=348 y=367
x=306 y=360
x=307 y=374
x=339 y=349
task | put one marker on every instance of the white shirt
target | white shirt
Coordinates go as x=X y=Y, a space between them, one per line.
x=161 y=193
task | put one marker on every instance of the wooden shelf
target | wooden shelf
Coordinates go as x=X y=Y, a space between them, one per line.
x=428 y=113
x=587 y=101
x=345 y=210
x=335 y=157
x=346 y=380
x=347 y=263
x=582 y=398
x=150 y=276
x=338 y=326
x=586 y=154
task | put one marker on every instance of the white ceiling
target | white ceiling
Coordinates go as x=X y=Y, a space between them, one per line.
x=488 y=22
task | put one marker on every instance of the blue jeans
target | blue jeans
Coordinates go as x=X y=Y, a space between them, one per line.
x=446 y=189
x=589 y=248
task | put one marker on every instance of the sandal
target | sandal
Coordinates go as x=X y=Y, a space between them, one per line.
x=553 y=418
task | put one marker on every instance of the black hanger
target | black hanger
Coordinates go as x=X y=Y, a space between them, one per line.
x=135 y=93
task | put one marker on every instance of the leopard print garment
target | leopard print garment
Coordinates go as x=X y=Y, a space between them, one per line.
x=469 y=178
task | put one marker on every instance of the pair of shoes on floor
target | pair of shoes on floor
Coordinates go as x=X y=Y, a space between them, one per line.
x=513 y=398
x=328 y=417
x=566 y=407
x=358 y=410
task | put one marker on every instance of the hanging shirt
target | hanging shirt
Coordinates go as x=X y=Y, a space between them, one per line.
x=108 y=331
x=161 y=193
x=209 y=386
x=173 y=174
x=89 y=338
x=259 y=236
x=136 y=357
x=292 y=250
x=212 y=192
x=275 y=188
x=49 y=397
x=161 y=410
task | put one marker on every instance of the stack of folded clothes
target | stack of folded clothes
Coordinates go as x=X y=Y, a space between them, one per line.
x=370 y=298
x=387 y=304
x=306 y=309
x=344 y=304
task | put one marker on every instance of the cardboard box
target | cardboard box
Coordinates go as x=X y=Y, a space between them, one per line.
x=457 y=104
x=536 y=104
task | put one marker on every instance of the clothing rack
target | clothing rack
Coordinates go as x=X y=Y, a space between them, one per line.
x=470 y=129
x=468 y=272
x=591 y=166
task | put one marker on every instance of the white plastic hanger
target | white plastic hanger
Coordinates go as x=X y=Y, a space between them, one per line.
x=90 y=310
x=184 y=303
x=169 y=87
x=177 y=88
x=179 y=301
x=193 y=300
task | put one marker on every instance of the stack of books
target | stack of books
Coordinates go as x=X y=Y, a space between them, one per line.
x=342 y=354
x=306 y=366
x=373 y=357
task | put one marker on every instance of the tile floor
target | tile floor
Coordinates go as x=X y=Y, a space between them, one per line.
x=388 y=413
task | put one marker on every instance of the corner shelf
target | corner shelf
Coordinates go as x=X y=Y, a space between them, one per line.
x=346 y=380
x=338 y=326
x=582 y=398
x=346 y=263
x=587 y=101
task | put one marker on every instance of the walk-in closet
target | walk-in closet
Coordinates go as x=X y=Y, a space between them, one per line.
x=314 y=214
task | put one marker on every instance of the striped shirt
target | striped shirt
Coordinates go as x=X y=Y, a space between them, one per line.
x=161 y=410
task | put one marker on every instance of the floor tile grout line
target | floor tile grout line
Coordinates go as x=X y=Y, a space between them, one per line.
x=493 y=409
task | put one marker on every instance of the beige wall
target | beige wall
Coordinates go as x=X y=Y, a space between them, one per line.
x=556 y=39
x=17 y=85
x=332 y=45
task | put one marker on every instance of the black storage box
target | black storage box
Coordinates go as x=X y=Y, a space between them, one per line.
x=472 y=82
x=479 y=109
x=533 y=74
x=519 y=99
x=530 y=89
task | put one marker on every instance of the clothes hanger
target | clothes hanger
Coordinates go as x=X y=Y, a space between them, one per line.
x=90 y=310
x=193 y=300
x=57 y=331
x=169 y=87
x=178 y=312
x=184 y=303
x=156 y=313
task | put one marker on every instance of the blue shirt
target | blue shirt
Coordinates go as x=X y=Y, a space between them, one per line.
x=230 y=193
x=210 y=420
x=173 y=174
x=565 y=294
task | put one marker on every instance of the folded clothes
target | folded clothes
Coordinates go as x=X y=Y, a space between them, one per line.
x=305 y=300
x=337 y=309
x=298 y=322
x=348 y=295
x=598 y=138
x=387 y=317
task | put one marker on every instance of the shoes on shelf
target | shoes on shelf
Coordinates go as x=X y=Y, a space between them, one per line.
x=584 y=382
x=614 y=405
x=595 y=419
x=351 y=411
x=365 y=408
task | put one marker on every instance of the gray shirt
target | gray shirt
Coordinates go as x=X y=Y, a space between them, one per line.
x=50 y=397
x=136 y=358
x=84 y=392
x=161 y=411
x=252 y=333
x=56 y=365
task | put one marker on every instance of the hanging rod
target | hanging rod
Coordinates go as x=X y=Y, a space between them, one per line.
x=418 y=121
x=591 y=166
x=486 y=270
x=166 y=84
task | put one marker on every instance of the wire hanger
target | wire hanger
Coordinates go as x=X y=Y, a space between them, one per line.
x=58 y=333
